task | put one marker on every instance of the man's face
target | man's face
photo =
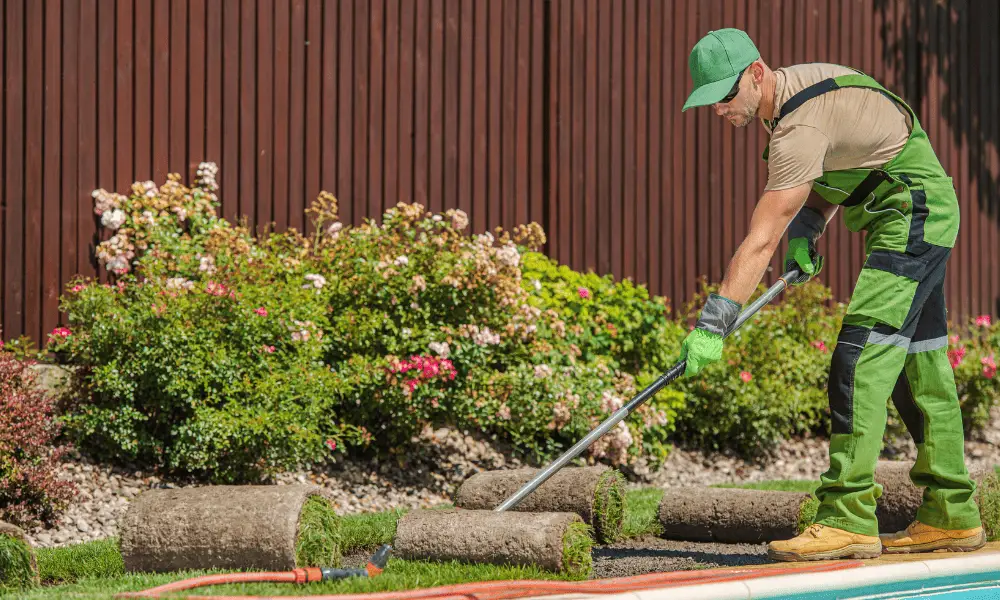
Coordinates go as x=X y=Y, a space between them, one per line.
x=741 y=109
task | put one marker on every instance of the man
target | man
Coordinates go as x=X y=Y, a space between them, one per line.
x=837 y=132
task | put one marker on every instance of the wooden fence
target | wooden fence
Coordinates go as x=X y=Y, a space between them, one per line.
x=564 y=112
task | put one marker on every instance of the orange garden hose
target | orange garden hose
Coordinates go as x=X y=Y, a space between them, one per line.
x=493 y=590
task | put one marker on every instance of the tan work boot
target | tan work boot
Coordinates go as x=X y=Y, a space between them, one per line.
x=919 y=537
x=819 y=542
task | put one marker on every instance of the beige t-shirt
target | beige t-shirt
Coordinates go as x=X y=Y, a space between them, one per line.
x=843 y=129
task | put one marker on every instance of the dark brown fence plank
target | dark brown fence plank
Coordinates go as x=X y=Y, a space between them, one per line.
x=435 y=131
x=124 y=93
x=153 y=22
x=627 y=200
x=558 y=128
x=450 y=116
x=263 y=148
x=537 y=137
x=480 y=114
x=376 y=50
x=231 y=102
x=86 y=173
x=196 y=97
x=392 y=104
x=466 y=104
x=508 y=132
x=298 y=83
x=490 y=215
x=657 y=37
x=213 y=82
x=52 y=186
x=33 y=166
x=407 y=70
x=521 y=111
x=282 y=72
x=421 y=103
x=248 y=112
x=13 y=184
x=637 y=231
x=612 y=201
x=319 y=148
x=177 y=132
x=580 y=117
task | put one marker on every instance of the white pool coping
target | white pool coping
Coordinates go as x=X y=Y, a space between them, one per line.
x=827 y=581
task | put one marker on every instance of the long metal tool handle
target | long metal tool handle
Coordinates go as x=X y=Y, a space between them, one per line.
x=673 y=373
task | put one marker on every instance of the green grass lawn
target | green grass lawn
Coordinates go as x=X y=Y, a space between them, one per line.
x=94 y=570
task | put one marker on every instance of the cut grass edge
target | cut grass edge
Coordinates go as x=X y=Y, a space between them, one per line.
x=17 y=567
x=317 y=543
x=610 y=506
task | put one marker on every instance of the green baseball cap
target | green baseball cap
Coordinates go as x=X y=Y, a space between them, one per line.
x=716 y=62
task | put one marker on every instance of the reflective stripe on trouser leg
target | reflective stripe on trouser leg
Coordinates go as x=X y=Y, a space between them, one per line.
x=927 y=400
x=862 y=377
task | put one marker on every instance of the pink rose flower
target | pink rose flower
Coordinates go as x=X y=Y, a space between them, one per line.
x=988 y=361
x=331 y=444
x=268 y=349
x=746 y=376
x=584 y=292
x=989 y=372
x=983 y=321
x=62 y=332
x=261 y=311
x=77 y=288
x=819 y=345
x=955 y=356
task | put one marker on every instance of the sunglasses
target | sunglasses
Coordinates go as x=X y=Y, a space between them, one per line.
x=733 y=92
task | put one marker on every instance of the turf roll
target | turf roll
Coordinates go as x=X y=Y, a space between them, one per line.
x=596 y=493
x=241 y=527
x=18 y=565
x=732 y=515
x=555 y=541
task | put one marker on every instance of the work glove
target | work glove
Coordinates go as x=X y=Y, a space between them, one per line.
x=802 y=254
x=703 y=346
x=807 y=226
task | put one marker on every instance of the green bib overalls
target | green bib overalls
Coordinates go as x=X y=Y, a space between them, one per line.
x=894 y=339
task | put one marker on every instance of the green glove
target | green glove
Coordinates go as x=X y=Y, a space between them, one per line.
x=703 y=346
x=802 y=254
x=807 y=226
x=700 y=348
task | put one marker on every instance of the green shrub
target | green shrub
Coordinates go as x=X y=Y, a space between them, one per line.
x=231 y=356
x=596 y=315
x=206 y=354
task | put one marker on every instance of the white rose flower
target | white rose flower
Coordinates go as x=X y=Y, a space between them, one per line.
x=113 y=219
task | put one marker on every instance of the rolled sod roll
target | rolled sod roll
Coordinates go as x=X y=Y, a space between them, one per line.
x=597 y=494
x=558 y=542
x=269 y=527
x=733 y=515
x=18 y=564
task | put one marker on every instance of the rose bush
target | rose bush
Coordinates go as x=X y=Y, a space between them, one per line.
x=231 y=356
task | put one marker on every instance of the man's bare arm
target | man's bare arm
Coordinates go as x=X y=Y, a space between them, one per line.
x=817 y=203
x=771 y=217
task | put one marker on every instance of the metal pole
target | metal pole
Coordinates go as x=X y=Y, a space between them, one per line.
x=673 y=373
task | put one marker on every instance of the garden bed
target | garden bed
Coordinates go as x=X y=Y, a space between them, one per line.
x=94 y=570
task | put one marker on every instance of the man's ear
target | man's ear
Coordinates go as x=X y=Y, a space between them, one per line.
x=757 y=69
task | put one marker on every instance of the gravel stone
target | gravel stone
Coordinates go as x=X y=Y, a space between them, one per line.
x=444 y=458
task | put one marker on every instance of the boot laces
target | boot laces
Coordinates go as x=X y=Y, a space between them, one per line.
x=814 y=529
